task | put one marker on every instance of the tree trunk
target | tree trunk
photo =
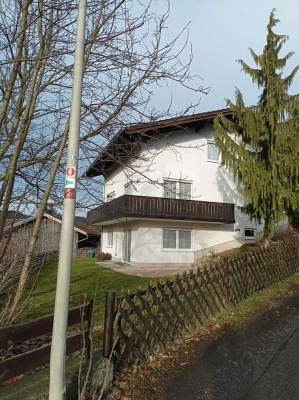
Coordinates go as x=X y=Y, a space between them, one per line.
x=268 y=232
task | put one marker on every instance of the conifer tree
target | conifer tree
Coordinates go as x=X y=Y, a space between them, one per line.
x=259 y=144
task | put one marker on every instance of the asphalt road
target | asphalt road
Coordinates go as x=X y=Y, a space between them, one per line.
x=260 y=361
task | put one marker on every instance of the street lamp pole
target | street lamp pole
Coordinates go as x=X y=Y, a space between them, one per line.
x=57 y=389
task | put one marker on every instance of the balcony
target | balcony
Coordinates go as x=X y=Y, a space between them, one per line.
x=135 y=207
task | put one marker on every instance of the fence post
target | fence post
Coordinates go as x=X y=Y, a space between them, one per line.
x=246 y=277
x=89 y=322
x=226 y=279
x=108 y=323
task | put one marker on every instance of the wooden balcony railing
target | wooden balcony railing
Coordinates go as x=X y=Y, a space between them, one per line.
x=128 y=206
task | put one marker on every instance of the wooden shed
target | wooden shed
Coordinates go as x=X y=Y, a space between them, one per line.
x=18 y=236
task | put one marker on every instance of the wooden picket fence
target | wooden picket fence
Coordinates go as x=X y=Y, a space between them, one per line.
x=16 y=335
x=146 y=321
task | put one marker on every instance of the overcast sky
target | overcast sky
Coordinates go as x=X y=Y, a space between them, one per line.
x=221 y=31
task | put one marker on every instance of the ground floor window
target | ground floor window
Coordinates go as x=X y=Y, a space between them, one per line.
x=177 y=239
x=249 y=233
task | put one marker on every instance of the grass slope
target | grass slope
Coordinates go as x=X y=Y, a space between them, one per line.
x=87 y=277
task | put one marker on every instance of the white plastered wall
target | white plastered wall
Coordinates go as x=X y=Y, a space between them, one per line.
x=182 y=155
x=147 y=240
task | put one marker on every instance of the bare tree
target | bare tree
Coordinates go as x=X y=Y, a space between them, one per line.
x=125 y=56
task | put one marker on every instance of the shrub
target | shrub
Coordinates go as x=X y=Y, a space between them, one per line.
x=281 y=234
x=295 y=219
x=104 y=256
x=108 y=256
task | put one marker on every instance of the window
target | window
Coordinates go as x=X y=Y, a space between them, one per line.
x=170 y=189
x=128 y=188
x=184 y=239
x=169 y=239
x=213 y=152
x=177 y=239
x=184 y=190
x=110 y=196
x=249 y=233
x=177 y=190
x=109 y=238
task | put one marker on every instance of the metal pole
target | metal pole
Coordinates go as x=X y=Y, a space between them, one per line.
x=57 y=390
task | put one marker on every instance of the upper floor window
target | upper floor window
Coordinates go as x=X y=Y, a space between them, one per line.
x=185 y=190
x=128 y=188
x=110 y=196
x=170 y=189
x=177 y=189
x=213 y=152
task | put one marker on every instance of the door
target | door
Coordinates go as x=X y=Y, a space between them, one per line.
x=127 y=245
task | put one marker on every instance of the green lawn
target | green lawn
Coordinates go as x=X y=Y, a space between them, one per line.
x=87 y=277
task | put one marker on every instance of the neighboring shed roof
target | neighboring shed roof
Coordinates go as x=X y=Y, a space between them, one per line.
x=87 y=230
x=82 y=228
x=9 y=222
x=123 y=146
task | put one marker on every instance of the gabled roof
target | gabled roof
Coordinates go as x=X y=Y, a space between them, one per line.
x=81 y=228
x=127 y=142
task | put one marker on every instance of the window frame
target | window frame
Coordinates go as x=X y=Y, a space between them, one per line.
x=176 y=193
x=173 y=193
x=163 y=239
x=188 y=195
x=212 y=143
x=128 y=187
x=250 y=237
x=177 y=239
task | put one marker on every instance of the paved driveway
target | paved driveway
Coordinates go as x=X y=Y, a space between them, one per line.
x=258 y=362
x=145 y=270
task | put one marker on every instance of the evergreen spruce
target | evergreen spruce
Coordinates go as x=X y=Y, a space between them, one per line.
x=261 y=148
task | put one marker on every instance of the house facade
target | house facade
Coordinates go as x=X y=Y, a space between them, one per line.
x=167 y=198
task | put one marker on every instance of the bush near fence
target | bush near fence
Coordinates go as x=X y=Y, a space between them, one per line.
x=148 y=320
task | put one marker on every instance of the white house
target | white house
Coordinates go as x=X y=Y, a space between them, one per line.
x=167 y=198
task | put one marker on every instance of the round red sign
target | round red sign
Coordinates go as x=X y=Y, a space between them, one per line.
x=70 y=171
